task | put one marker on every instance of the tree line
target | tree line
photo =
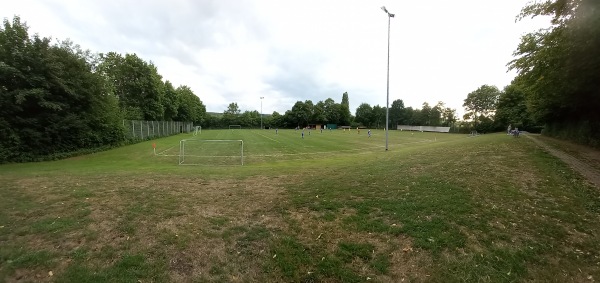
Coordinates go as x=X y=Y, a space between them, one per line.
x=57 y=99
x=305 y=113
x=557 y=87
x=559 y=69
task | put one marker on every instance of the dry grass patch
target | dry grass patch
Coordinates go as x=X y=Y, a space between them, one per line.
x=170 y=221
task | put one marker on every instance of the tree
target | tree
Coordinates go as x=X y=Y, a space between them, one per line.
x=136 y=83
x=481 y=102
x=559 y=68
x=319 y=113
x=276 y=120
x=250 y=119
x=416 y=118
x=301 y=113
x=426 y=115
x=231 y=115
x=379 y=116
x=396 y=112
x=512 y=108
x=435 y=118
x=51 y=100
x=344 y=110
x=364 y=114
x=170 y=101
x=448 y=117
x=190 y=107
x=332 y=111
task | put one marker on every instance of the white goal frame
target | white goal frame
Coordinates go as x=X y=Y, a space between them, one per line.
x=182 y=150
x=235 y=127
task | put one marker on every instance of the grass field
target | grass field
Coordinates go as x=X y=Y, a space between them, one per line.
x=332 y=207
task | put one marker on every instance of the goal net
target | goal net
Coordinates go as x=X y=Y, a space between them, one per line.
x=211 y=152
x=197 y=130
x=235 y=127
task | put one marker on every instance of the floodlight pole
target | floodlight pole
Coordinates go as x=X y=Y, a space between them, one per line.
x=261 y=99
x=387 y=101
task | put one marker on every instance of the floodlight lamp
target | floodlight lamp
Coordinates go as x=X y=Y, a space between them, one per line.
x=391 y=15
x=384 y=9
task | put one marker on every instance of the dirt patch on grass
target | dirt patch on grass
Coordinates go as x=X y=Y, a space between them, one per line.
x=187 y=220
x=405 y=261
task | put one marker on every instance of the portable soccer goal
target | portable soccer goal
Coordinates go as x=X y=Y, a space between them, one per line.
x=211 y=152
x=235 y=127
x=197 y=130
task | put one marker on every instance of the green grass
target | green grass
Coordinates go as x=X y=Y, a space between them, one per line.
x=332 y=207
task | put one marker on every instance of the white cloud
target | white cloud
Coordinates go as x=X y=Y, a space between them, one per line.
x=286 y=51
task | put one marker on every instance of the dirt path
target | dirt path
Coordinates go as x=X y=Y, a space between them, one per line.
x=582 y=159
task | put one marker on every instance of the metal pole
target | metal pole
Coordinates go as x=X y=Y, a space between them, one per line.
x=261 y=99
x=387 y=101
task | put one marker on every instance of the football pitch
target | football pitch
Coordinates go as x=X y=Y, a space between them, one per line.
x=223 y=147
x=327 y=207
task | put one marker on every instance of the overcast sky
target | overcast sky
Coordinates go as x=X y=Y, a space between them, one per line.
x=285 y=51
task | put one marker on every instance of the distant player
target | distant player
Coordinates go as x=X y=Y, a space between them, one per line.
x=302 y=133
x=369 y=133
x=276 y=130
x=357 y=130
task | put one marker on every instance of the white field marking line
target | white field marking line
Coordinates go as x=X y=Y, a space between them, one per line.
x=211 y=165
x=265 y=136
x=161 y=153
x=329 y=152
x=238 y=156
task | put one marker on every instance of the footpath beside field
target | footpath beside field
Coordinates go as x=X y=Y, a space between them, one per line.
x=585 y=160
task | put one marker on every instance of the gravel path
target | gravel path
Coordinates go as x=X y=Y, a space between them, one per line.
x=589 y=172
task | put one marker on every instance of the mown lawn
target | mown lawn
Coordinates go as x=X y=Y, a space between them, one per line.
x=332 y=207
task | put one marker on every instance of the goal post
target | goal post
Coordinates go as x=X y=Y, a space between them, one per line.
x=211 y=152
x=235 y=127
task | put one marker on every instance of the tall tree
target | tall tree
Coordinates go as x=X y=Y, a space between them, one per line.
x=301 y=113
x=170 y=101
x=231 y=115
x=396 y=111
x=436 y=118
x=191 y=108
x=512 y=108
x=319 y=113
x=379 y=117
x=481 y=102
x=51 y=100
x=332 y=111
x=448 y=117
x=559 y=68
x=345 y=115
x=364 y=114
x=136 y=83
x=250 y=119
x=426 y=115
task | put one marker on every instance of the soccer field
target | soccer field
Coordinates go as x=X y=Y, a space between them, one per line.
x=267 y=146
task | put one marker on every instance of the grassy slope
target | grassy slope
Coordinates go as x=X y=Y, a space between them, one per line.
x=332 y=207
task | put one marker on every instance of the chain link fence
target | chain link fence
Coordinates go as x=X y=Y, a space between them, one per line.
x=140 y=130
